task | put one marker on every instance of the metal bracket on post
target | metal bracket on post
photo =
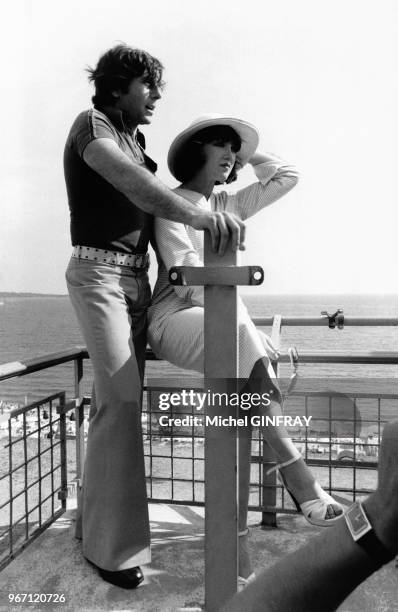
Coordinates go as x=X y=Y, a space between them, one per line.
x=222 y=276
x=335 y=319
x=221 y=448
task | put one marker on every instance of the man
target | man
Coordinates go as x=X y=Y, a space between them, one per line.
x=112 y=195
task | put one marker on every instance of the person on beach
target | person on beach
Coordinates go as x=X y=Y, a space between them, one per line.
x=321 y=574
x=209 y=152
x=113 y=195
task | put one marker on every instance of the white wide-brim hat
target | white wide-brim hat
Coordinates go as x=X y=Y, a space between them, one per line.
x=246 y=131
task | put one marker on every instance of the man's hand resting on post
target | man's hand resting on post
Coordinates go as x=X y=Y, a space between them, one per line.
x=223 y=227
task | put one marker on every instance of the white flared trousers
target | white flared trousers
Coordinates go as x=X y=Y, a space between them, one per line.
x=110 y=303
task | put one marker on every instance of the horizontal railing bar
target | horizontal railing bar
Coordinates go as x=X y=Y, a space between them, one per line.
x=30 y=433
x=15 y=441
x=52 y=471
x=26 y=515
x=43 y=501
x=176 y=502
x=38 y=404
x=374 y=357
x=29 y=460
x=175 y=457
x=348 y=393
x=16 y=412
x=31 y=485
x=30 y=511
x=175 y=479
x=322 y=321
x=18 y=368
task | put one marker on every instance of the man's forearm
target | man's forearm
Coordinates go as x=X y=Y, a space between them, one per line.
x=137 y=183
x=149 y=194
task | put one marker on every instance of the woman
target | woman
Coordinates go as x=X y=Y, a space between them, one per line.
x=210 y=152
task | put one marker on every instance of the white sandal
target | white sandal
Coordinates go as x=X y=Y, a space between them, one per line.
x=243 y=582
x=315 y=511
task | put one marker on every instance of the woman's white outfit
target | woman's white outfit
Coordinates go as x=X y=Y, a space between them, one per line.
x=176 y=315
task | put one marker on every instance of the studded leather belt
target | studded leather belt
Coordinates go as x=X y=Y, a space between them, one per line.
x=111 y=257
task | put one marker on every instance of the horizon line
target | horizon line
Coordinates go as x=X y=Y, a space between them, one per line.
x=4 y=294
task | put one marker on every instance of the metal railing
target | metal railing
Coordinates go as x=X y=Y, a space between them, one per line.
x=34 y=472
x=34 y=466
x=174 y=457
x=175 y=454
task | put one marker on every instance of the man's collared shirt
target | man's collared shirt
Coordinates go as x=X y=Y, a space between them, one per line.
x=101 y=216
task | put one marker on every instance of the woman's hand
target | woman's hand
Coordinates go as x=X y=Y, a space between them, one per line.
x=238 y=164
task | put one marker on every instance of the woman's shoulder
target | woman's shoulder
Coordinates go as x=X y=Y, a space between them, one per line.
x=192 y=196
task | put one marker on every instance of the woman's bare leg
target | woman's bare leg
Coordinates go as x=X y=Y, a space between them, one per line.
x=297 y=475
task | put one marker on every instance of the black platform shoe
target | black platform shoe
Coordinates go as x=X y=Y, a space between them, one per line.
x=126 y=579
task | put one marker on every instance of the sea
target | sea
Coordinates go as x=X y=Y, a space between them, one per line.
x=33 y=327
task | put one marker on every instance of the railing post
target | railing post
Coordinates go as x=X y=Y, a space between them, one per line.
x=221 y=453
x=62 y=435
x=79 y=422
x=11 y=490
x=268 y=497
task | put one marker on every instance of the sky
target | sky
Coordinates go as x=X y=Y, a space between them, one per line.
x=318 y=79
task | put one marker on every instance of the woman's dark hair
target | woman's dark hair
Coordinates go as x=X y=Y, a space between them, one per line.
x=190 y=158
x=117 y=67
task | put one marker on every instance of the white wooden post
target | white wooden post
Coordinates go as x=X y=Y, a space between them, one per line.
x=221 y=452
x=220 y=277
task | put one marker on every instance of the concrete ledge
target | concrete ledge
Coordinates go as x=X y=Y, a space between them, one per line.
x=174 y=581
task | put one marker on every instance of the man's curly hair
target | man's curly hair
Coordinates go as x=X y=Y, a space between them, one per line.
x=117 y=67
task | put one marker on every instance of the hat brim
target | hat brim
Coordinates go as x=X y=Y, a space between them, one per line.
x=247 y=132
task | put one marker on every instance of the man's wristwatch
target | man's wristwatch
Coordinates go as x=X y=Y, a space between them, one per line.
x=364 y=535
